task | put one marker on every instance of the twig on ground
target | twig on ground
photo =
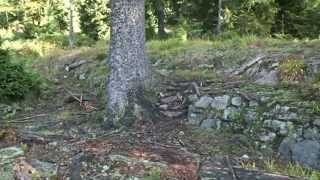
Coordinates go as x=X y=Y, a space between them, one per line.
x=25 y=119
x=84 y=104
x=234 y=176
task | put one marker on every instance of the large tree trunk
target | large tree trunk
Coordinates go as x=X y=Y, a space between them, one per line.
x=129 y=65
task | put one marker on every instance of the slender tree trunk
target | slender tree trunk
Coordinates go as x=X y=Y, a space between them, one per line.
x=128 y=62
x=218 y=29
x=71 y=27
x=161 y=19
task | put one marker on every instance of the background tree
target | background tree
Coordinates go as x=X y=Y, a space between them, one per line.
x=94 y=17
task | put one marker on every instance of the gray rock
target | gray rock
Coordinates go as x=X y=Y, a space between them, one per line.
x=264 y=99
x=316 y=122
x=211 y=123
x=288 y=116
x=195 y=118
x=7 y=158
x=250 y=116
x=82 y=76
x=220 y=102
x=193 y=98
x=268 y=78
x=311 y=134
x=230 y=113
x=307 y=153
x=285 y=148
x=8 y=155
x=236 y=101
x=280 y=126
x=267 y=137
x=284 y=113
x=204 y=102
x=253 y=104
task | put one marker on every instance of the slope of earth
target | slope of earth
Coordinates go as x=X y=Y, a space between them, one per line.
x=60 y=134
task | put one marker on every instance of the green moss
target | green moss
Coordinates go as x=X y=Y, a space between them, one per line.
x=155 y=174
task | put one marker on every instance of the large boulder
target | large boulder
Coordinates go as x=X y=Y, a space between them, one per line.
x=305 y=152
x=7 y=158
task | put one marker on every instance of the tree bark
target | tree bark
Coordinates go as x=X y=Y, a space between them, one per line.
x=128 y=61
x=218 y=29
x=161 y=19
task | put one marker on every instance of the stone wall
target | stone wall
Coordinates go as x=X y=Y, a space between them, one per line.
x=264 y=120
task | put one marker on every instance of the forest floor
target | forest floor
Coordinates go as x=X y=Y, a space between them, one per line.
x=61 y=135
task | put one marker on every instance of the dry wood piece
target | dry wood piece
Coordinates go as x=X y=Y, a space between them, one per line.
x=87 y=105
x=69 y=67
x=234 y=176
x=247 y=65
x=27 y=119
x=196 y=88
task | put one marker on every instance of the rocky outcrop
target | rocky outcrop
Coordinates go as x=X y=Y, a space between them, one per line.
x=264 y=119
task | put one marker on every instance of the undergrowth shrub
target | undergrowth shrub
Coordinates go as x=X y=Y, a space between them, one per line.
x=15 y=82
x=292 y=70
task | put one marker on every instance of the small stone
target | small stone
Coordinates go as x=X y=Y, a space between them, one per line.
x=181 y=133
x=220 y=102
x=245 y=157
x=211 y=123
x=193 y=98
x=276 y=125
x=236 y=101
x=265 y=99
x=250 y=116
x=82 y=76
x=164 y=106
x=195 y=118
x=230 y=113
x=204 y=102
x=253 y=104
x=268 y=137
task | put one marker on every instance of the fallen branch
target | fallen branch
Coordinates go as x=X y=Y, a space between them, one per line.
x=234 y=176
x=84 y=103
x=246 y=66
x=25 y=119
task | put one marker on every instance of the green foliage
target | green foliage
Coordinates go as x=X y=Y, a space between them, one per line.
x=292 y=70
x=153 y=175
x=290 y=169
x=94 y=18
x=15 y=82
